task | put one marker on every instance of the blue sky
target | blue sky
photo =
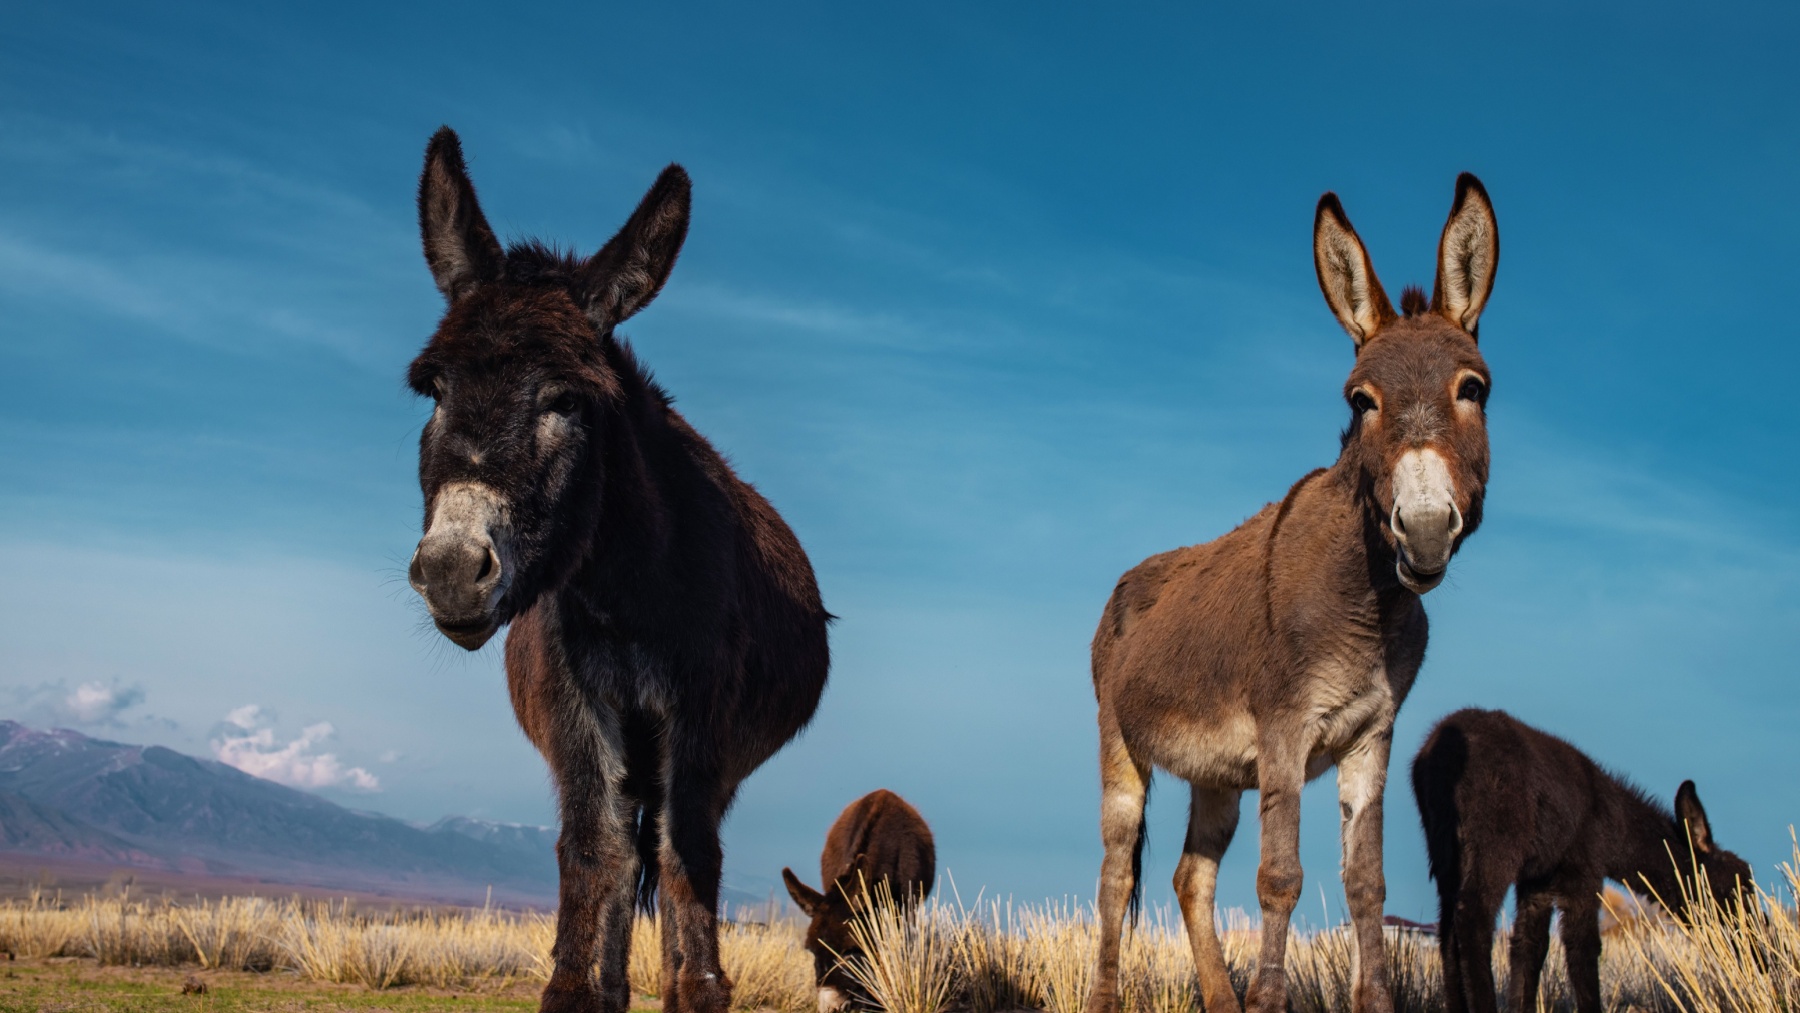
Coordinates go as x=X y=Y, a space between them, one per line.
x=991 y=302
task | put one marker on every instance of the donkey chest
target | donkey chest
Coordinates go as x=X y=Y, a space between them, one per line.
x=1345 y=712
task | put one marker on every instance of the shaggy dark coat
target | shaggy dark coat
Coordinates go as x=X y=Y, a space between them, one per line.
x=666 y=636
x=1505 y=805
x=878 y=838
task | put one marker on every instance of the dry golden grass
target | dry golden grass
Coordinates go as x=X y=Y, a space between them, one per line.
x=987 y=958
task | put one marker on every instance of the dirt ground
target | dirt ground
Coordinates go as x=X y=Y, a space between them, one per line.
x=65 y=985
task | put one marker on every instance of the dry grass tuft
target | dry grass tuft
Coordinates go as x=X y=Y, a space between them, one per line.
x=988 y=958
x=908 y=959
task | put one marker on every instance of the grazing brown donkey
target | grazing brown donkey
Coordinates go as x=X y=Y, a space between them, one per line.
x=1505 y=805
x=667 y=635
x=878 y=838
x=1258 y=660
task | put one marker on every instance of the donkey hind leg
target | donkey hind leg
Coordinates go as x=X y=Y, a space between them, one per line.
x=1581 y=942
x=1449 y=956
x=1124 y=787
x=598 y=869
x=694 y=803
x=1362 y=775
x=1477 y=905
x=1529 y=946
x=1212 y=820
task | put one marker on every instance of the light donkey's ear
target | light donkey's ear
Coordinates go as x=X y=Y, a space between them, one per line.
x=1345 y=274
x=1468 y=255
x=1688 y=810
x=811 y=901
x=459 y=247
x=632 y=267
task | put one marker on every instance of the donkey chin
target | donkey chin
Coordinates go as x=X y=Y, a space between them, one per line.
x=462 y=567
x=1414 y=580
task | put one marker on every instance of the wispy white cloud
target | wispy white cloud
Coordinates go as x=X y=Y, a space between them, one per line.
x=94 y=703
x=248 y=743
x=98 y=703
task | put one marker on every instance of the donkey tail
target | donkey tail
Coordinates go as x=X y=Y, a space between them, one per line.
x=1436 y=771
x=643 y=784
x=1136 y=903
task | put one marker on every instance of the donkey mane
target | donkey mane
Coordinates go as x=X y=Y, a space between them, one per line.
x=1638 y=794
x=535 y=262
x=1413 y=301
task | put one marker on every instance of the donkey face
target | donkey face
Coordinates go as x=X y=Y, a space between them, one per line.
x=1418 y=393
x=1727 y=876
x=510 y=462
x=828 y=939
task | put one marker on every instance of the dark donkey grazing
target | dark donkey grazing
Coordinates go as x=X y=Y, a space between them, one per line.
x=667 y=635
x=1505 y=805
x=878 y=838
x=1259 y=660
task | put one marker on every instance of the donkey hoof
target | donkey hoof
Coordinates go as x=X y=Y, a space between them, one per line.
x=571 y=999
x=1266 y=996
x=707 y=992
x=1372 y=999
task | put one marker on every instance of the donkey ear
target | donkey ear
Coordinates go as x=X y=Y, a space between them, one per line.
x=811 y=901
x=1688 y=810
x=1345 y=274
x=631 y=268
x=459 y=247
x=1468 y=255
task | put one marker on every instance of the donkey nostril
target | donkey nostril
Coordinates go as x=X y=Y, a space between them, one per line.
x=487 y=566
x=1399 y=525
x=415 y=574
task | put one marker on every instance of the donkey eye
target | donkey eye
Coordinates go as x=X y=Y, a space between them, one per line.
x=1472 y=390
x=565 y=403
x=1361 y=402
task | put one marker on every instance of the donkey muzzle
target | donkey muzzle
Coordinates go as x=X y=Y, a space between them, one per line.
x=461 y=567
x=1425 y=520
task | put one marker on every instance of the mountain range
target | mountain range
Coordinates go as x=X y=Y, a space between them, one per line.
x=67 y=797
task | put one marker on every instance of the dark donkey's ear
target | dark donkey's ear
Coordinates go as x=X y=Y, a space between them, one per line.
x=1468 y=255
x=1688 y=810
x=459 y=246
x=811 y=901
x=1345 y=274
x=631 y=268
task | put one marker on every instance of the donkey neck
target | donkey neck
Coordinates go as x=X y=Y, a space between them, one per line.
x=1325 y=551
x=664 y=514
x=1650 y=847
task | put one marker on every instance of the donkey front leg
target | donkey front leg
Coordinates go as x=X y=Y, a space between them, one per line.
x=695 y=801
x=1212 y=821
x=1362 y=776
x=1124 y=786
x=1281 y=773
x=1581 y=941
x=598 y=869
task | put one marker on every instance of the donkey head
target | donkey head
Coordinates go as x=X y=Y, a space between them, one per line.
x=828 y=938
x=1727 y=876
x=1417 y=438
x=523 y=370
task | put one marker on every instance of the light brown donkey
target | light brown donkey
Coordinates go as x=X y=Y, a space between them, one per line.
x=1259 y=660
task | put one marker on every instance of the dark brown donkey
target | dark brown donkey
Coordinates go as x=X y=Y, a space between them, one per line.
x=1259 y=660
x=667 y=635
x=1505 y=805
x=878 y=838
